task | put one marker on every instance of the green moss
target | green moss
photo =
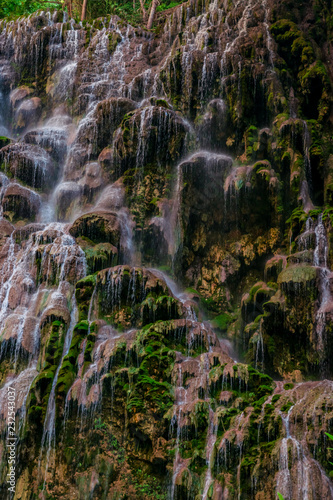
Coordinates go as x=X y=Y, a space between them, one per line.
x=83 y=293
x=286 y=407
x=100 y=256
x=301 y=274
x=288 y=386
x=222 y=321
x=87 y=281
x=4 y=141
x=114 y=39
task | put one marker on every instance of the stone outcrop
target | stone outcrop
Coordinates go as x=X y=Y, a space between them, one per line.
x=30 y=164
x=20 y=203
x=166 y=293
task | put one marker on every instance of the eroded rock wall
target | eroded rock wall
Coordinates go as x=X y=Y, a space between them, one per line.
x=199 y=153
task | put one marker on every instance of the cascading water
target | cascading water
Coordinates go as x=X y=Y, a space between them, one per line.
x=298 y=472
x=259 y=357
x=326 y=277
x=176 y=421
x=113 y=119
x=211 y=440
x=54 y=264
x=313 y=245
x=49 y=436
x=180 y=295
x=3 y=128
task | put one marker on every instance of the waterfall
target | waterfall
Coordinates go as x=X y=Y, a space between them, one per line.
x=146 y=178
x=180 y=295
x=306 y=155
x=326 y=277
x=210 y=446
x=3 y=129
x=259 y=357
x=176 y=422
x=49 y=430
x=269 y=40
x=21 y=330
x=16 y=274
x=297 y=481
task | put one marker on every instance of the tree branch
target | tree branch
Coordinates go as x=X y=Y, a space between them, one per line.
x=153 y=8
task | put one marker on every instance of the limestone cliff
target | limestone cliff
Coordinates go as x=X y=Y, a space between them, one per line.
x=166 y=293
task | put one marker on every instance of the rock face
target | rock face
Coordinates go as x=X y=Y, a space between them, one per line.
x=99 y=227
x=28 y=112
x=166 y=293
x=95 y=133
x=30 y=164
x=135 y=297
x=20 y=203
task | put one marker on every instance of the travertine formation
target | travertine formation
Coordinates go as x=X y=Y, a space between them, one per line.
x=166 y=294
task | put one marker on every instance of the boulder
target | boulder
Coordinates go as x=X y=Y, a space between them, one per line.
x=67 y=195
x=153 y=136
x=6 y=229
x=274 y=267
x=20 y=203
x=18 y=95
x=92 y=180
x=135 y=296
x=95 y=133
x=30 y=164
x=14 y=330
x=200 y=192
x=111 y=198
x=99 y=227
x=28 y=113
x=23 y=233
x=56 y=307
x=58 y=258
x=251 y=194
x=98 y=256
x=52 y=139
x=211 y=127
x=298 y=279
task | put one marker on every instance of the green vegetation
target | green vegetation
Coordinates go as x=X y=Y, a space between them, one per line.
x=12 y=8
x=129 y=10
x=331 y=438
x=288 y=386
x=222 y=321
x=143 y=383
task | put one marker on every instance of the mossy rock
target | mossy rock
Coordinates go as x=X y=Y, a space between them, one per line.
x=99 y=227
x=304 y=276
x=4 y=141
x=83 y=293
x=135 y=296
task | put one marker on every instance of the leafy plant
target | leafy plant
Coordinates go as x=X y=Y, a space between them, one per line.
x=331 y=438
x=12 y=8
x=126 y=9
x=99 y=425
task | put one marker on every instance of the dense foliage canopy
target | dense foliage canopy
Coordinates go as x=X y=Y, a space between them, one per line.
x=20 y=7
x=133 y=10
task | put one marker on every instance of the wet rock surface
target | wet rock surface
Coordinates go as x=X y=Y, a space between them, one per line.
x=198 y=153
x=30 y=164
x=20 y=203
